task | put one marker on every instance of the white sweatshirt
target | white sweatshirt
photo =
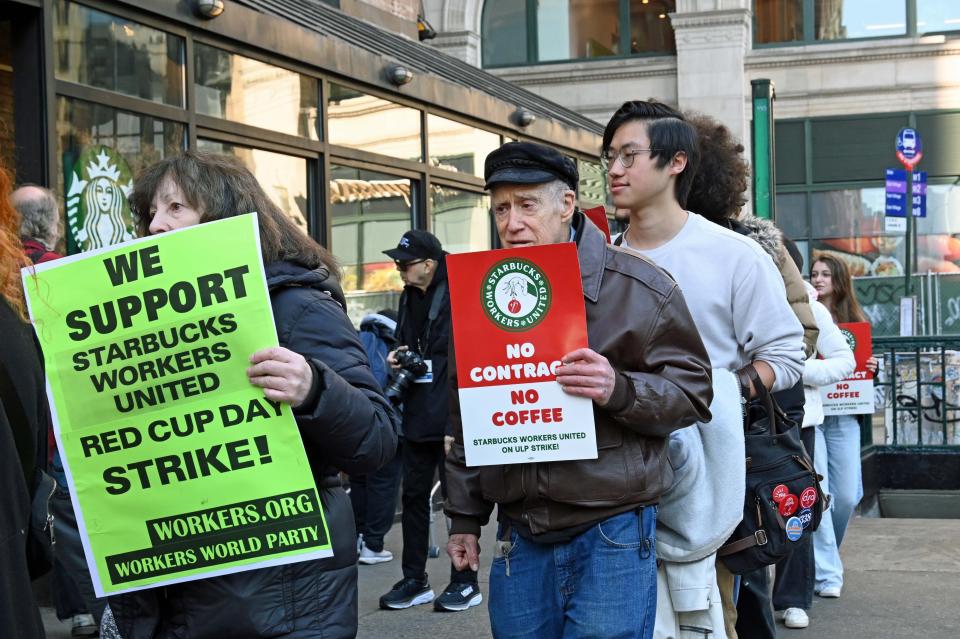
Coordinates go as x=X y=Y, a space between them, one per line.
x=837 y=363
x=736 y=296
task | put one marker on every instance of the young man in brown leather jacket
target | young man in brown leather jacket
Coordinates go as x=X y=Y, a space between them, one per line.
x=575 y=538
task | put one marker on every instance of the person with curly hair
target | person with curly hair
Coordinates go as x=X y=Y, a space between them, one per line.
x=22 y=428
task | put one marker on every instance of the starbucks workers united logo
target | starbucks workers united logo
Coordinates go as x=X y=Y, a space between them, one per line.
x=515 y=295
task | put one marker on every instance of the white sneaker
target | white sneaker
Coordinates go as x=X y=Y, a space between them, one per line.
x=830 y=592
x=83 y=626
x=795 y=618
x=370 y=557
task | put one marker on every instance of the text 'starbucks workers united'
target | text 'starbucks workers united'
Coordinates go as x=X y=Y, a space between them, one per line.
x=178 y=467
x=516 y=313
x=516 y=295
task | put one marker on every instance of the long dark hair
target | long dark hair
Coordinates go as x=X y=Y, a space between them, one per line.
x=843 y=302
x=220 y=186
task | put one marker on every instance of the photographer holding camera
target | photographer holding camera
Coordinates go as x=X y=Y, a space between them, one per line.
x=420 y=384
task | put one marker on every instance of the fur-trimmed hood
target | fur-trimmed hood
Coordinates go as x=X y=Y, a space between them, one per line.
x=765 y=233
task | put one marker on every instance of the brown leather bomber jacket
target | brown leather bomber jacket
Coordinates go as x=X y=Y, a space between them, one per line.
x=638 y=320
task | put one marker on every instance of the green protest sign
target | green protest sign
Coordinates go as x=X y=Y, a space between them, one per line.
x=179 y=468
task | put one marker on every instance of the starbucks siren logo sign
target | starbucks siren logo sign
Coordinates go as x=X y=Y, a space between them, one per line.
x=515 y=295
x=851 y=340
x=98 y=213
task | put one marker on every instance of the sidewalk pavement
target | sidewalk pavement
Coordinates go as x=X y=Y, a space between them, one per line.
x=902 y=581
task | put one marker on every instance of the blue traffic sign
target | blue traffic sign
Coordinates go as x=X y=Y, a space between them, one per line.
x=896 y=193
x=919 y=200
x=909 y=147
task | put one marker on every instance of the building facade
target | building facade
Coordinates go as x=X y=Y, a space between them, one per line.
x=355 y=129
x=849 y=74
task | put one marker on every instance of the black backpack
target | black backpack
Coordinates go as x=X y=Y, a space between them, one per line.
x=783 y=501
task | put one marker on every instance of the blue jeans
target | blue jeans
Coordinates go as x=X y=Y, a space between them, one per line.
x=602 y=583
x=838 y=460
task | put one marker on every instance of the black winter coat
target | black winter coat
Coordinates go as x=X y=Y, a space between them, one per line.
x=426 y=407
x=19 y=615
x=347 y=426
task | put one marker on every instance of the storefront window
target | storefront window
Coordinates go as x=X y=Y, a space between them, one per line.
x=460 y=219
x=593 y=185
x=850 y=223
x=372 y=124
x=283 y=177
x=574 y=29
x=783 y=20
x=504 y=33
x=459 y=147
x=248 y=91
x=650 y=29
x=569 y=29
x=792 y=214
x=109 y=52
x=100 y=150
x=843 y=19
x=370 y=211
x=934 y=16
x=777 y=21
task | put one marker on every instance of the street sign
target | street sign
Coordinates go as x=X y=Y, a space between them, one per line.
x=919 y=200
x=896 y=193
x=909 y=147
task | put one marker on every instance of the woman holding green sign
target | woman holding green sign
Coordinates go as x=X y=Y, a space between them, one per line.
x=321 y=371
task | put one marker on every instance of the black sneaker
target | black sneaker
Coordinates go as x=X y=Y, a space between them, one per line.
x=458 y=596
x=406 y=593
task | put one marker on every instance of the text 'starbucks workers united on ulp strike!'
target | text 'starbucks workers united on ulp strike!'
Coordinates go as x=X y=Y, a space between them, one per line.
x=179 y=467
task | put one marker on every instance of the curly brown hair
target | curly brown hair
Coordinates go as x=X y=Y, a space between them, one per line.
x=720 y=183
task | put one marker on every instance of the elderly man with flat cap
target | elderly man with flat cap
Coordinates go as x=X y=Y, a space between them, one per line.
x=575 y=539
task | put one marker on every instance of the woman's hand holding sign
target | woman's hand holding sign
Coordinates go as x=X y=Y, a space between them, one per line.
x=587 y=373
x=283 y=375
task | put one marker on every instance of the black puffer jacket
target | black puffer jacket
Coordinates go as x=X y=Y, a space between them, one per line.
x=348 y=426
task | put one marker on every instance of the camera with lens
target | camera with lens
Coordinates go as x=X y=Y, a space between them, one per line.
x=412 y=366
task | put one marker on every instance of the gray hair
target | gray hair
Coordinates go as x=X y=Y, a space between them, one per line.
x=557 y=189
x=39 y=214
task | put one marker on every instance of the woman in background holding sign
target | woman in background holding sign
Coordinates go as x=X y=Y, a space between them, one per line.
x=321 y=370
x=838 y=438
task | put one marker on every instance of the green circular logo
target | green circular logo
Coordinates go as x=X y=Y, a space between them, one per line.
x=851 y=340
x=515 y=294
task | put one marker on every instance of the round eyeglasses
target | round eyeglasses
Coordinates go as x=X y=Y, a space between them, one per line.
x=626 y=154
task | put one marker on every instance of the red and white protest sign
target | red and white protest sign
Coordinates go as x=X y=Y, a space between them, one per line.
x=516 y=313
x=854 y=395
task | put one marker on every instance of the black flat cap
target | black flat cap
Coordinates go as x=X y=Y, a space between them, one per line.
x=416 y=245
x=529 y=163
